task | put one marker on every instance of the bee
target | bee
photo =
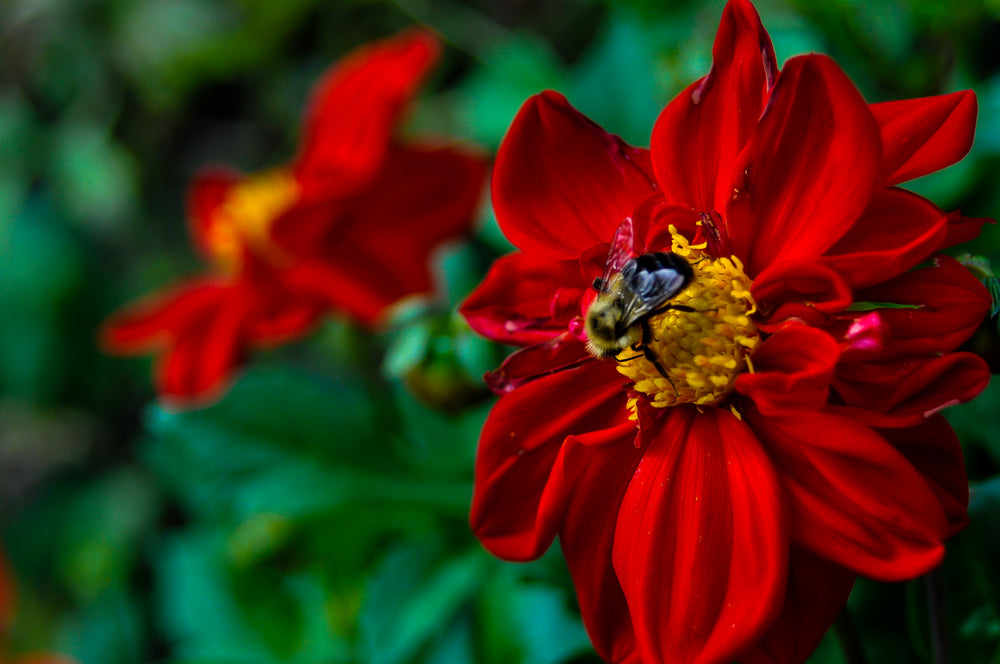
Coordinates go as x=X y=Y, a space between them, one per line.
x=633 y=289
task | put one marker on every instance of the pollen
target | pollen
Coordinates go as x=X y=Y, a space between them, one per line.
x=244 y=218
x=701 y=351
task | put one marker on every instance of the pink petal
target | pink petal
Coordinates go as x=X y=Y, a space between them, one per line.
x=702 y=539
x=950 y=304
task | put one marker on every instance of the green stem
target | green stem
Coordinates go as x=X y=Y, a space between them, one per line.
x=847 y=635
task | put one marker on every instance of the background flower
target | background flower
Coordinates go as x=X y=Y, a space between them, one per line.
x=348 y=226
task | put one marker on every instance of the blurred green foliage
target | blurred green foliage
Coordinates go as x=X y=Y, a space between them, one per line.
x=318 y=512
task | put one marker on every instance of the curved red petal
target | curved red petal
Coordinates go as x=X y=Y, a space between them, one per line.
x=854 y=499
x=199 y=363
x=808 y=171
x=920 y=136
x=896 y=231
x=702 y=539
x=151 y=322
x=281 y=320
x=519 y=444
x=517 y=302
x=804 y=291
x=354 y=107
x=962 y=229
x=817 y=592
x=699 y=135
x=364 y=253
x=562 y=184
x=533 y=362
x=792 y=371
x=934 y=450
x=948 y=304
x=904 y=392
x=206 y=192
x=597 y=469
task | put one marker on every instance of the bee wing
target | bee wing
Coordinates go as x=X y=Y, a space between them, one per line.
x=647 y=291
x=622 y=251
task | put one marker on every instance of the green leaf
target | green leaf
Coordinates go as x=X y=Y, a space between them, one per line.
x=413 y=595
x=873 y=306
x=528 y=622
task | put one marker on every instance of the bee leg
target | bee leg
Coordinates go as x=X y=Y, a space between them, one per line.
x=647 y=335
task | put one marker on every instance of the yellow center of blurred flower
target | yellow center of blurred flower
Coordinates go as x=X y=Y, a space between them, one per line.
x=701 y=351
x=245 y=217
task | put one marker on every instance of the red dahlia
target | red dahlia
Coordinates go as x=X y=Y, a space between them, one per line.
x=769 y=431
x=347 y=226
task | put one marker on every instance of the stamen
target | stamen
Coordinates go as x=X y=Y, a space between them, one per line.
x=701 y=351
x=245 y=217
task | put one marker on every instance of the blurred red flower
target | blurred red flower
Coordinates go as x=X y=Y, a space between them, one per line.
x=775 y=431
x=348 y=225
x=8 y=609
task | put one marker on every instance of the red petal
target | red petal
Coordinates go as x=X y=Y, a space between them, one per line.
x=804 y=291
x=365 y=253
x=817 y=592
x=597 y=469
x=951 y=305
x=153 y=321
x=514 y=303
x=206 y=192
x=281 y=320
x=699 y=135
x=8 y=594
x=808 y=171
x=904 y=392
x=702 y=539
x=933 y=449
x=200 y=362
x=519 y=444
x=897 y=230
x=561 y=183
x=792 y=371
x=533 y=362
x=920 y=136
x=354 y=108
x=962 y=229
x=854 y=499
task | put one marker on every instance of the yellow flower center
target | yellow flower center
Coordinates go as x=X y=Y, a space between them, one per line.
x=700 y=351
x=245 y=217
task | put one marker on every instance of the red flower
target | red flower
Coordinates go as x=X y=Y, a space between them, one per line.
x=347 y=226
x=771 y=433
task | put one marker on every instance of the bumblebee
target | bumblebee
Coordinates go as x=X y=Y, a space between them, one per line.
x=631 y=290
